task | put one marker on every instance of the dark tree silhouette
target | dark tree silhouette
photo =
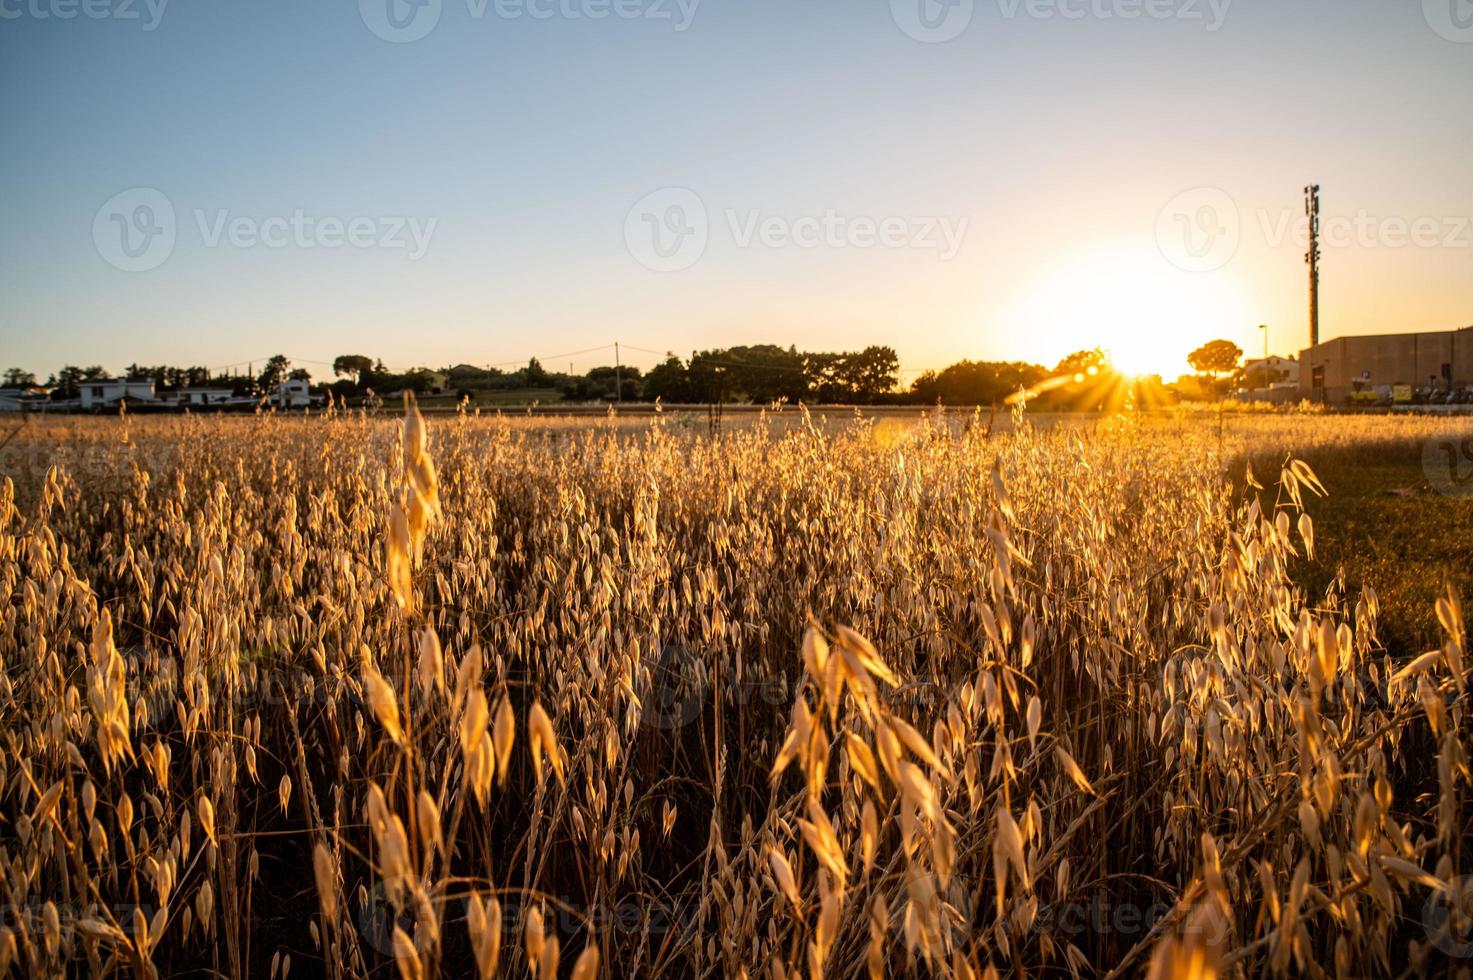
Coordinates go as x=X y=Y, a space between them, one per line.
x=358 y=365
x=1216 y=357
x=274 y=373
x=1219 y=358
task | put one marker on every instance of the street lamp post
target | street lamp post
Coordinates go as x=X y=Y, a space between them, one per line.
x=1266 y=382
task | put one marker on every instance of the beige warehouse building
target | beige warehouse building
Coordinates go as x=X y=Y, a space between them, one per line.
x=1442 y=358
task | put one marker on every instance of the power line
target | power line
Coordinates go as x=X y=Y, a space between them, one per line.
x=646 y=350
x=552 y=357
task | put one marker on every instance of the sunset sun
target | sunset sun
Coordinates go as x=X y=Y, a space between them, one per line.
x=1128 y=300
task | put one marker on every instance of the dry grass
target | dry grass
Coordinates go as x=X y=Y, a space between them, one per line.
x=360 y=695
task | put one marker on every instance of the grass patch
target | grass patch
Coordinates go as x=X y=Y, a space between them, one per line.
x=1383 y=523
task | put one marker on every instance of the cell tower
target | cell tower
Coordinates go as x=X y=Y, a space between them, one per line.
x=1312 y=209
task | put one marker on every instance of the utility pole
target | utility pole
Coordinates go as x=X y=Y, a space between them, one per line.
x=618 y=376
x=1312 y=209
x=1267 y=382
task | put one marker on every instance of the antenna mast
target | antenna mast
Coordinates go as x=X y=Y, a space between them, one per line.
x=1312 y=209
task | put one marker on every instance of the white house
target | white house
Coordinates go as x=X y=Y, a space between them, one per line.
x=200 y=397
x=22 y=399
x=1275 y=363
x=1283 y=370
x=109 y=391
x=295 y=393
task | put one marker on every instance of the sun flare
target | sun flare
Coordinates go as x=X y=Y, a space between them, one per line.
x=1130 y=301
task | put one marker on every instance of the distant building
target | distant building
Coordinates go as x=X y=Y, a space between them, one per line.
x=1440 y=360
x=295 y=393
x=109 y=391
x=203 y=397
x=23 y=399
x=1282 y=372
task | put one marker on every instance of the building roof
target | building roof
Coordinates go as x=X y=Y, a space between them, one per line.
x=1390 y=336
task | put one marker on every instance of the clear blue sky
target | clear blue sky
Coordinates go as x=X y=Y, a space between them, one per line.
x=1057 y=139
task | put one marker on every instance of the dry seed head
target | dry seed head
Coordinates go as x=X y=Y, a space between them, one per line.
x=398 y=558
x=782 y=874
x=324 y=870
x=586 y=966
x=543 y=740
x=505 y=735
x=383 y=701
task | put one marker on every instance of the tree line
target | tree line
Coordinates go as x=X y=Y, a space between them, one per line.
x=755 y=374
x=67 y=383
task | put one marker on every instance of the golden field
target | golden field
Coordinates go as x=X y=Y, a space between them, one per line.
x=372 y=695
